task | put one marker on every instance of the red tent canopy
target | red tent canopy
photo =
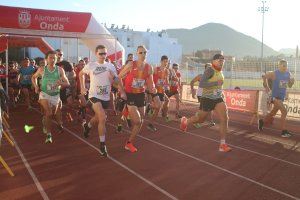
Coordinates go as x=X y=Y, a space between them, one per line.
x=19 y=41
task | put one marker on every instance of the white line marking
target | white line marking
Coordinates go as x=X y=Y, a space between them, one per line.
x=122 y=165
x=215 y=166
x=33 y=176
x=238 y=147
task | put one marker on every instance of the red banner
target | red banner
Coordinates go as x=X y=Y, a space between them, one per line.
x=37 y=19
x=241 y=100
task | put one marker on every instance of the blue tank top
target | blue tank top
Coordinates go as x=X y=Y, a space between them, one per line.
x=280 y=84
x=26 y=73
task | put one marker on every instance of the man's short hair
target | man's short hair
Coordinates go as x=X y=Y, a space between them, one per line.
x=218 y=56
x=50 y=52
x=141 y=46
x=283 y=62
x=100 y=47
x=164 y=57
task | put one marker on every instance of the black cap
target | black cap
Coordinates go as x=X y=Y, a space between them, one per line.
x=218 y=56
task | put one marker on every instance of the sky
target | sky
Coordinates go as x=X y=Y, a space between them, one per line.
x=281 y=26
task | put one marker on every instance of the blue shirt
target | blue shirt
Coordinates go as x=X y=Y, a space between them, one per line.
x=280 y=84
x=26 y=73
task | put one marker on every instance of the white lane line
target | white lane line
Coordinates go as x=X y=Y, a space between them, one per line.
x=235 y=146
x=121 y=165
x=216 y=166
x=210 y=164
x=33 y=176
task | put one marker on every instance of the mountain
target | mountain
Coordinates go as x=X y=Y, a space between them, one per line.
x=218 y=36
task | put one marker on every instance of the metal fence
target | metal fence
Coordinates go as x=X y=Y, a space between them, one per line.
x=244 y=74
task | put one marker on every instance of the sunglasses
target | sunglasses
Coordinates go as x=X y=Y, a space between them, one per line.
x=143 y=52
x=60 y=54
x=102 y=54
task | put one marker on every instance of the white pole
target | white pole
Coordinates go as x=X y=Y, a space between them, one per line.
x=68 y=49
x=77 y=51
x=6 y=57
x=115 y=49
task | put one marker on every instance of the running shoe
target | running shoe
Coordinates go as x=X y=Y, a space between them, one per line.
x=224 y=148
x=60 y=128
x=148 y=108
x=103 y=149
x=211 y=124
x=178 y=116
x=168 y=119
x=119 y=128
x=285 y=134
x=183 y=124
x=260 y=124
x=86 y=129
x=151 y=127
x=48 y=138
x=129 y=146
x=197 y=125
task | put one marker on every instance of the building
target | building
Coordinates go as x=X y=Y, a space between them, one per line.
x=157 y=43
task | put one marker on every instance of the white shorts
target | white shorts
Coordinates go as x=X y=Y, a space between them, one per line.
x=53 y=100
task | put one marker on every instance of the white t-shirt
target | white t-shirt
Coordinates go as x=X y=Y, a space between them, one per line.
x=100 y=84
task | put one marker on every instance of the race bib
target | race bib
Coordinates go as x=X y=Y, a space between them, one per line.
x=283 y=84
x=52 y=86
x=217 y=92
x=103 y=90
x=160 y=82
x=173 y=83
x=26 y=77
x=138 y=83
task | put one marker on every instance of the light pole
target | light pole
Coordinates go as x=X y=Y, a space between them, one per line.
x=262 y=9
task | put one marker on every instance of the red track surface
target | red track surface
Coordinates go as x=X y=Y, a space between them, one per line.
x=169 y=164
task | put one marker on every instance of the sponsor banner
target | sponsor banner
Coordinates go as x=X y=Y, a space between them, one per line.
x=291 y=103
x=49 y=20
x=241 y=100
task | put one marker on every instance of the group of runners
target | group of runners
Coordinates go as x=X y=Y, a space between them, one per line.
x=139 y=91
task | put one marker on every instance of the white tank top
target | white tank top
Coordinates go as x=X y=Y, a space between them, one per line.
x=199 y=91
x=100 y=84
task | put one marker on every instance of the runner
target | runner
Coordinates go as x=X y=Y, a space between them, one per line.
x=138 y=75
x=199 y=95
x=102 y=76
x=161 y=81
x=175 y=85
x=281 y=80
x=26 y=71
x=212 y=99
x=53 y=77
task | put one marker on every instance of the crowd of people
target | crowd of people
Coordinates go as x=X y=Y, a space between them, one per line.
x=138 y=91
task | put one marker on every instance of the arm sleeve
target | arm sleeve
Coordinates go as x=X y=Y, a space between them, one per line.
x=209 y=72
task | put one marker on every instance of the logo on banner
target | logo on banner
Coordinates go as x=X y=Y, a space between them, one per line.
x=24 y=19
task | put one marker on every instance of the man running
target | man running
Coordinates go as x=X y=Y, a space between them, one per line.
x=199 y=95
x=281 y=80
x=102 y=76
x=25 y=73
x=212 y=100
x=53 y=77
x=137 y=75
x=175 y=85
x=161 y=81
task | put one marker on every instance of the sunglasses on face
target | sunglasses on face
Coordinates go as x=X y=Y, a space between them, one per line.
x=102 y=54
x=60 y=54
x=143 y=52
